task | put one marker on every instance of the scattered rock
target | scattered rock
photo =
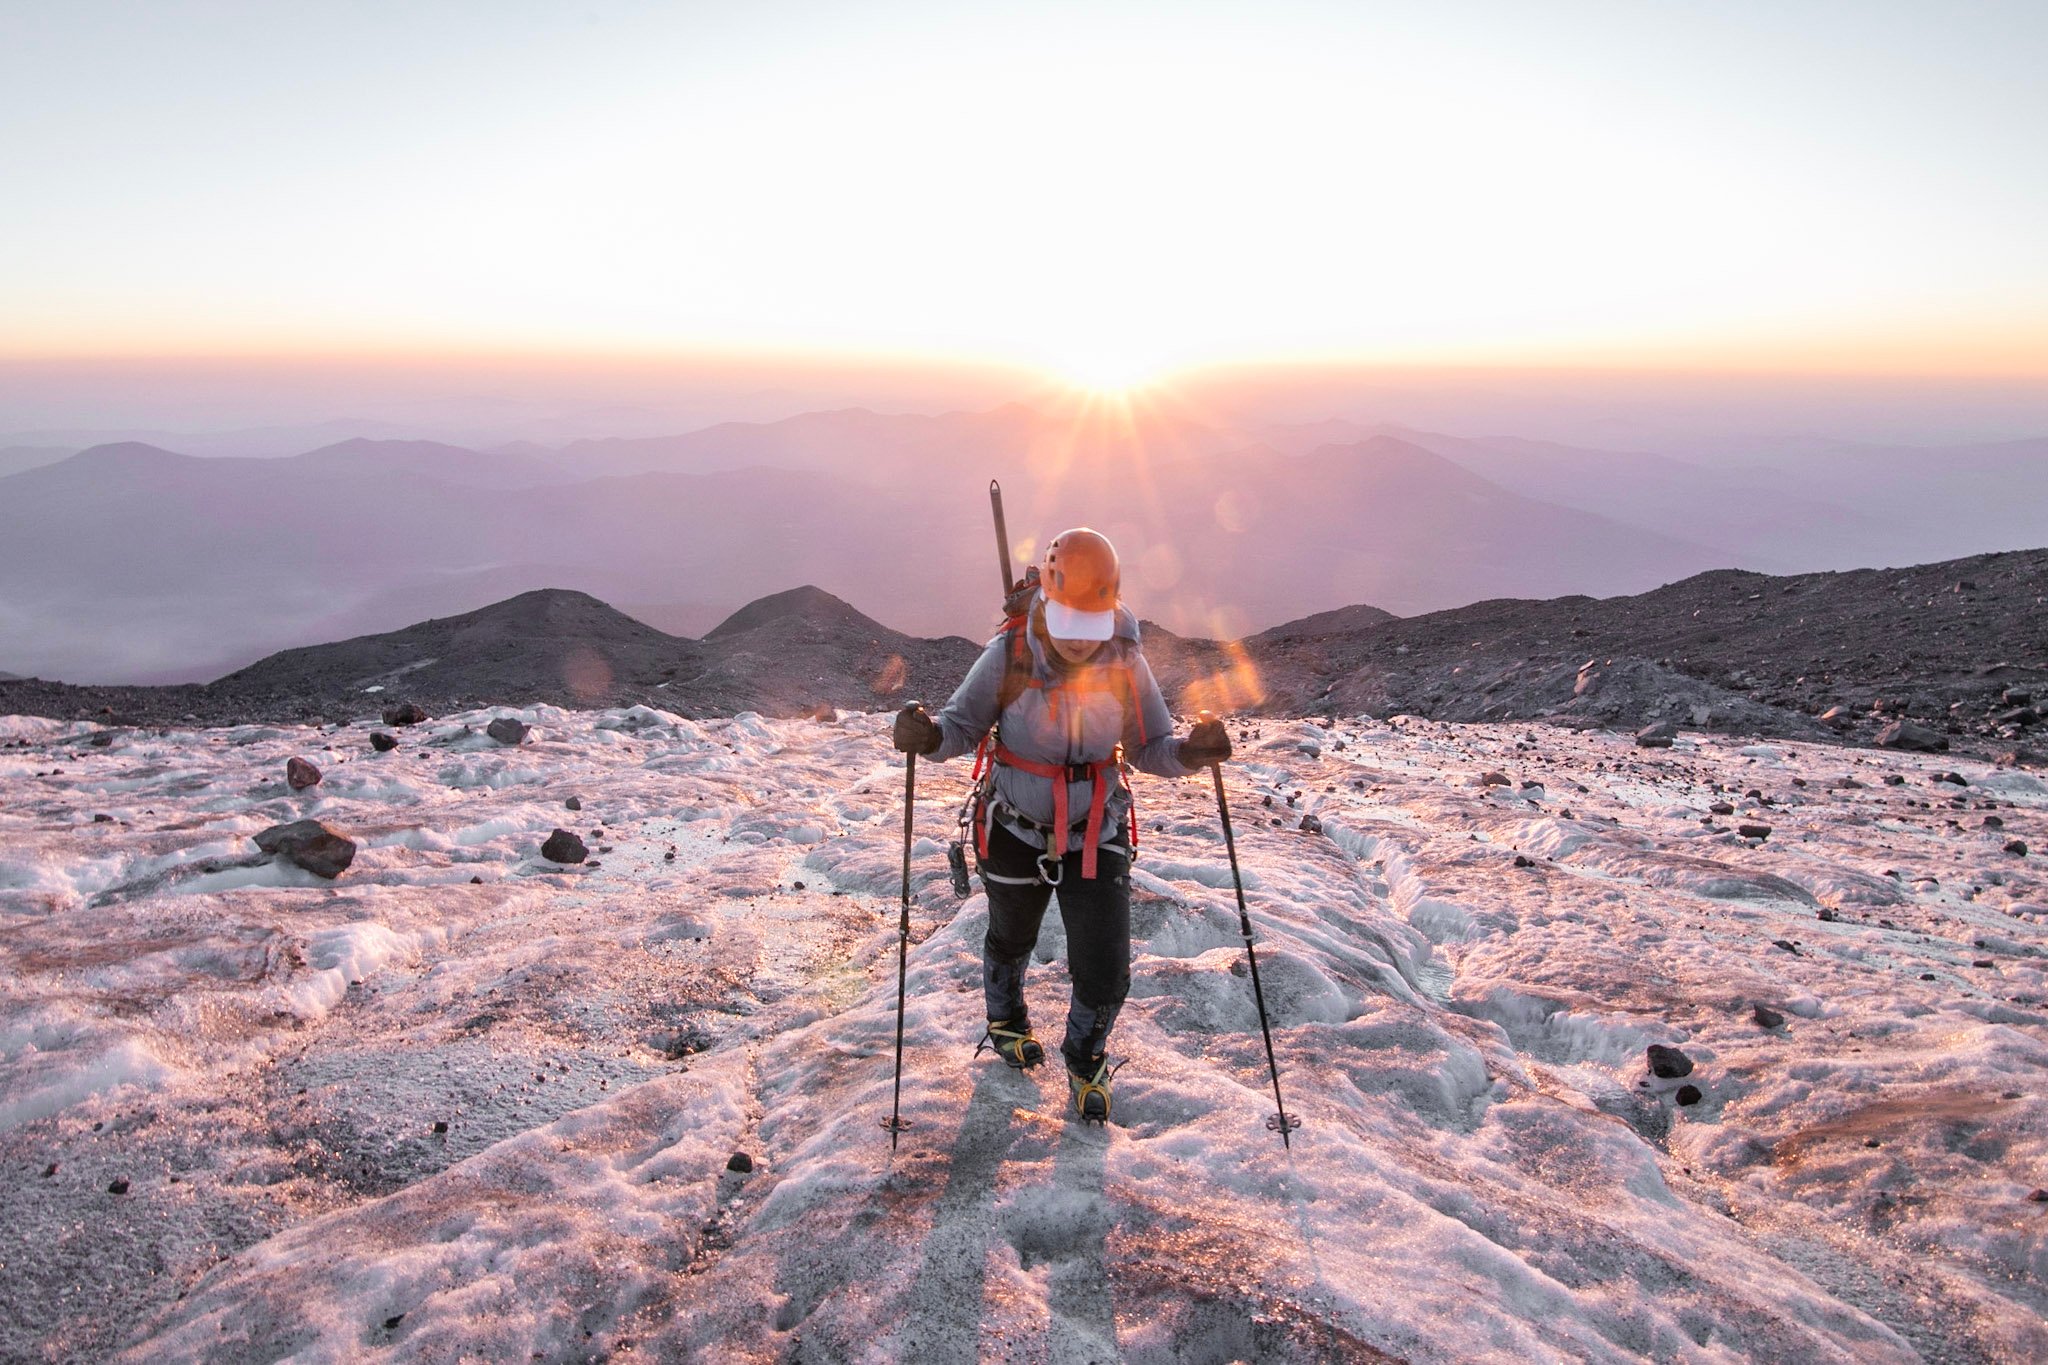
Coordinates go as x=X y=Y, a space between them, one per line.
x=1994 y=822
x=1754 y=831
x=1311 y=825
x=49 y=1170
x=103 y=739
x=739 y=1161
x=404 y=713
x=1927 y=976
x=1904 y=734
x=2016 y=847
x=1721 y=808
x=1953 y=779
x=1894 y=780
x=564 y=847
x=440 y=1125
x=2038 y=1197
x=310 y=845
x=119 y=1186
x=382 y=742
x=1838 y=718
x=1766 y=1017
x=1523 y=860
x=1787 y=944
x=102 y=818
x=1494 y=779
x=1656 y=736
x=1827 y=915
x=1688 y=1095
x=391 y=1323
x=1668 y=1063
x=507 y=730
x=573 y=803
x=299 y=774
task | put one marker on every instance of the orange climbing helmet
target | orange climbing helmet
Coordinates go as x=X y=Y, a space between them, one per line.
x=1080 y=580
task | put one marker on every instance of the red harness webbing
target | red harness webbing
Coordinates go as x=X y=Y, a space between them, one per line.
x=1061 y=774
x=992 y=750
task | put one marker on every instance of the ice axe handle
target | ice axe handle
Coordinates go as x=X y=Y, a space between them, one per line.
x=995 y=502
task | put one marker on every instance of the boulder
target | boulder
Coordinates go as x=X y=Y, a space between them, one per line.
x=1656 y=736
x=1668 y=1063
x=1754 y=831
x=404 y=713
x=1766 y=1017
x=507 y=730
x=564 y=847
x=2016 y=847
x=1904 y=734
x=2019 y=715
x=300 y=774
x=1688 y=1095
x=310 y=845
x=1838 y=717
x=382 y=742
x=1494 y=779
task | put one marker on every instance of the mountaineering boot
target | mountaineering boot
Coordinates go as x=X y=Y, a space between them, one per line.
x=1012 y=1041
x=1091 y=1089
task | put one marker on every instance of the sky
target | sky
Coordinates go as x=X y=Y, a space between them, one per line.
x=1101 y=192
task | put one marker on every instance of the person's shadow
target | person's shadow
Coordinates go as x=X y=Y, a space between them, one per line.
x=944 y=1309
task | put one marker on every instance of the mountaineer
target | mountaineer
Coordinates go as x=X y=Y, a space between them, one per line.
x=1059 y=705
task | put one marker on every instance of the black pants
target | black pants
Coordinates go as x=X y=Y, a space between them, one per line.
x=1097 y=914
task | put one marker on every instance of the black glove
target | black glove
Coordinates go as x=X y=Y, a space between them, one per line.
x=1207 y=743
x=917 y=733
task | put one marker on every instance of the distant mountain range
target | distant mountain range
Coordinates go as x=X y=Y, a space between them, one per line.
x=127 y=562
x=1960 y=646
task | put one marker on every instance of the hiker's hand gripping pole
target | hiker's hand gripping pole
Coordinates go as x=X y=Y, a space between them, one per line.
x=1282 y=1122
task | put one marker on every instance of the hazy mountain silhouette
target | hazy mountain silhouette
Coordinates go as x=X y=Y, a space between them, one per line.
x=132 y=562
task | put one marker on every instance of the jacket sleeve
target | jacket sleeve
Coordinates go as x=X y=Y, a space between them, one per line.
x=1159 y=753
x=971 y=711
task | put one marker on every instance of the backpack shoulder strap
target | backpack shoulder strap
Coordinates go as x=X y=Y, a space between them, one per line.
x=1016 y=665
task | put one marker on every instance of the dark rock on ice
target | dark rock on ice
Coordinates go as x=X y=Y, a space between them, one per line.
x=310 y=845
x=1523 y=860
x=104 y=739
x=506 y=730
x=1994 y=822
x=404 y=713
x=382 y=742
x=1828 y=916
x=1668 y=1063
x=49 y=1170
x=119 y=1186
x=1904 y=734
x=1787 y=944
x=564 y=847
x=1754 y=831
x=1311 y=825
x=739 y=1161
x=573 y=803
x=2017 y=847
x=1688 y=1095
x=440 y=1125
x=300 y=774
x=1766 y=1017
x=1494 y=779
x=1722 y=808
x=1656 y=736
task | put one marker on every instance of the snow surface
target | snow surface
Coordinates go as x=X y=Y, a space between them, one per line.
x=1486 y=1168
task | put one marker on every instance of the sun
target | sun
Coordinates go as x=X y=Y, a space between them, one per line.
x=1108 y=374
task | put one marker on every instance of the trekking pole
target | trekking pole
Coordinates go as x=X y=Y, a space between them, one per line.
x=895 y=1123
x=1282 y=1122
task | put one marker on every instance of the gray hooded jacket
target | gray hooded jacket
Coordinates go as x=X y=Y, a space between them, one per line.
x=1077 y=715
